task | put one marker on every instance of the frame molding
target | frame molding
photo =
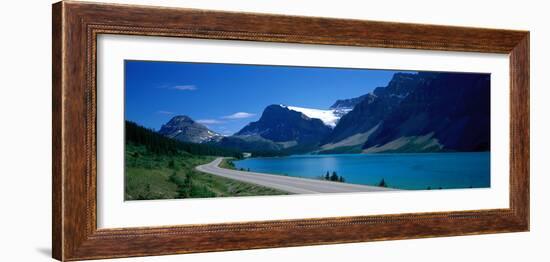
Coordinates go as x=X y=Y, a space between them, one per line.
x=75 y=27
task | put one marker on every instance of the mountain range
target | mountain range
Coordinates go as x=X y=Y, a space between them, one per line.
x=414 y=112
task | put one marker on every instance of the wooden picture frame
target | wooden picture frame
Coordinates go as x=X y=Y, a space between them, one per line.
x=76 y=26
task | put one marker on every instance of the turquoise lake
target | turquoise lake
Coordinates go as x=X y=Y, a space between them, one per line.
x=404 y=171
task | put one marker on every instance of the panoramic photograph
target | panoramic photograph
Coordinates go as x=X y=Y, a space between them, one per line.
x=203 y=130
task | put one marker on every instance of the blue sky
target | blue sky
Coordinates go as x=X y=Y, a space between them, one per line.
x=226 y=97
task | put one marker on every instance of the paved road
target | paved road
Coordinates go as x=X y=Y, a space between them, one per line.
x=285 y=183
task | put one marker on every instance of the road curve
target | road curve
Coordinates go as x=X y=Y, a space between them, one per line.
x=286 y=183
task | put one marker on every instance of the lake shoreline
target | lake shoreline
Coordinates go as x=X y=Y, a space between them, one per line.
x=407 y=171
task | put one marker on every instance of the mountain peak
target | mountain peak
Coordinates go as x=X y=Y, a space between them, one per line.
x=347 y=103
x=185 y=129
x=281 y=124
x=181 y=119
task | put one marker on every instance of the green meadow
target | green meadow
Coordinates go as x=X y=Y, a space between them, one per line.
x=173 y=176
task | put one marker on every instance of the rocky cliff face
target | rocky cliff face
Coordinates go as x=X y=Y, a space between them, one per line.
x=450 y=110
x=185 y=129
x=374 y=107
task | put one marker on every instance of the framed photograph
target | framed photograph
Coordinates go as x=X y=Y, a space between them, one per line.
x=182 y=130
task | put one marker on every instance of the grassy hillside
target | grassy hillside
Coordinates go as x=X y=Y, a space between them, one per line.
x=157 y=167
x=152 y=176
x=160 y=168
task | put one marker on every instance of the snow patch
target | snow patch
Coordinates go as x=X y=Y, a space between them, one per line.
x=329 y=117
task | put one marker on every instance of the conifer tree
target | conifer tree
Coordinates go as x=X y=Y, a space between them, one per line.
x=334 y=176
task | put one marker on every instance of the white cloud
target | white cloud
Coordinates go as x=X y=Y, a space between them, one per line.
x=179 y=87
x=239 y=115
x=185 y=88
x=165 y=112
x=209 y=121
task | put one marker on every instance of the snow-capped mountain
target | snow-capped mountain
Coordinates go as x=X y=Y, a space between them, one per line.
x=281 y=124
x=289 y=128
